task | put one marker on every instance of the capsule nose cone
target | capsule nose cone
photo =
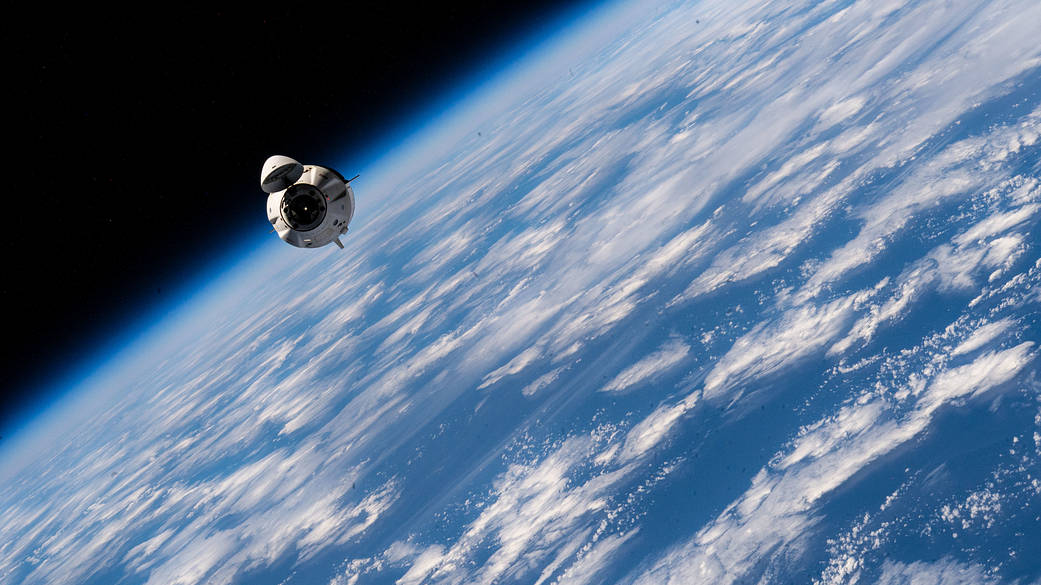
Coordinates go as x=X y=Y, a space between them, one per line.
x=279 y=172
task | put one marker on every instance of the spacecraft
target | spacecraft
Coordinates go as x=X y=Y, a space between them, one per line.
x=308 y=206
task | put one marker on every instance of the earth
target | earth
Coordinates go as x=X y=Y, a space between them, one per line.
x=731 y=292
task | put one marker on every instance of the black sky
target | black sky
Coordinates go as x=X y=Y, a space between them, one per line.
x=139 y=136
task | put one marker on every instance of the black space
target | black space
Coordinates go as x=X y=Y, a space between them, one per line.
x=137 y=139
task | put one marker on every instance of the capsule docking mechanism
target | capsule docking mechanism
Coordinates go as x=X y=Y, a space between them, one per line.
x=308 y=206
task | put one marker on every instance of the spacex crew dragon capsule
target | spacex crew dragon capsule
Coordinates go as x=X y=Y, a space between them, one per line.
x=309 y=206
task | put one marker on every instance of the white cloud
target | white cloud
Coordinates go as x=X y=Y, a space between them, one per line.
x=534 y=510
x=771 y=346
x=649 y=432
x=945 y=571
x=592 y=560
x=777 y=510
x=911 y=285
x=517 y=364
x=956 y=171
x=841 y=110
x=541 y=514
x=541 y=382
x=649 y=367
x=998 y=224
x=425 y=562
x=983 y=335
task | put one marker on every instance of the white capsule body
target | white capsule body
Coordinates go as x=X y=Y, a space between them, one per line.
x=313 y=205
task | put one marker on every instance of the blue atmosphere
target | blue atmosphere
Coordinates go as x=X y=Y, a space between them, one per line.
x=721 y=292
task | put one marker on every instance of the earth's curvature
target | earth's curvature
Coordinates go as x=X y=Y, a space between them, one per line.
x=745 y=293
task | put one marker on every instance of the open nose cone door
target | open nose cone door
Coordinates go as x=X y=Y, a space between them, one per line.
x=279 y=172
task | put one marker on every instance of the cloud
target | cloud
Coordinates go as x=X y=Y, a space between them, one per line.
x=945 y=571
x=771 y=346
x=649 y=367
x=649 y=432
x=982 y=336
x=557 y=511
x=534 y=510
x=517 y=364
x=778 y=509
x=955 y=172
